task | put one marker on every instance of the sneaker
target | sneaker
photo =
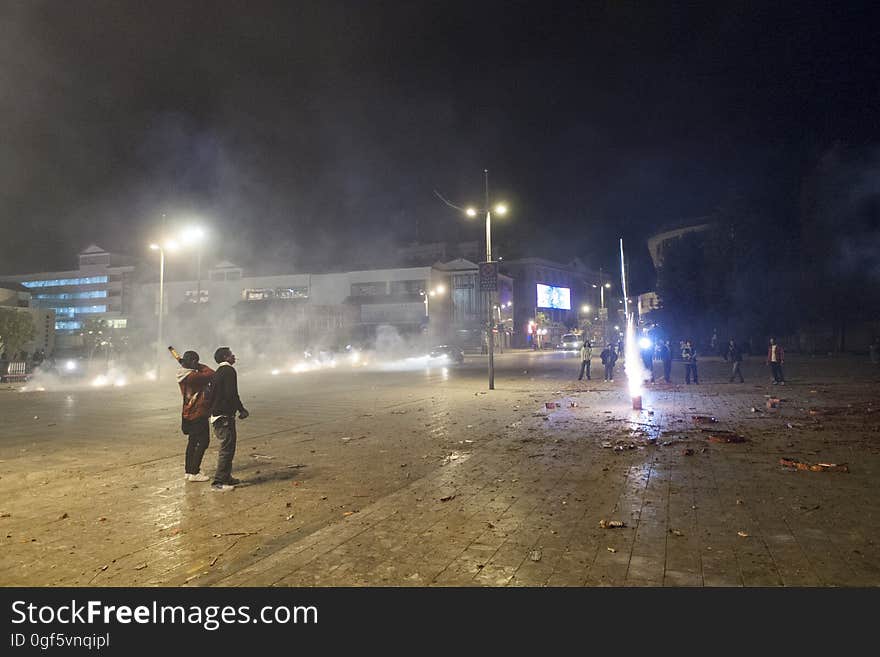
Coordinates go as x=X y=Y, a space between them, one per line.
x=198 y=477
x=782 y=383
x=222 y=488
x=233 y=481
x=776 y=383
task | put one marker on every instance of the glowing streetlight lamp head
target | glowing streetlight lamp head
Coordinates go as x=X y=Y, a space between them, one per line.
x=192 y=234
x=171 y=245
x=608 y=286
x=585 y=309
x=440 y=289
x=501 y=209
x=471 y=212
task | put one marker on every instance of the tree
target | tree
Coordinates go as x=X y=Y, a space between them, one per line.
x=16 y=328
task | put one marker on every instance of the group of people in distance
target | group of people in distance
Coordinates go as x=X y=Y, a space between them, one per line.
x=210 y=401
x=734 y=355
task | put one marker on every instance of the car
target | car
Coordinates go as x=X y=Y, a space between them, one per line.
x=450 y=352
x=69 y=364
x=569 y=342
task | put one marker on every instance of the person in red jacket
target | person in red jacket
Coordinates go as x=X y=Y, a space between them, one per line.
x=193 y=379
x=775 y=358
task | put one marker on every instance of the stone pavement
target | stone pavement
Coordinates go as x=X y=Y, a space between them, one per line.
x=453 y=487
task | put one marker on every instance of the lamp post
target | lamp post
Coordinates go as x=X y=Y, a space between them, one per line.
x=191 y=235
x=156 y=247
x=500 y=209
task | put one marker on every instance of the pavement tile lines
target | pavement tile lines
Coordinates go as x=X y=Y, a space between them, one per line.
x=525 y=496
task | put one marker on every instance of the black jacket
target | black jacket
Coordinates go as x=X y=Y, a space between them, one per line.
x=224 y=396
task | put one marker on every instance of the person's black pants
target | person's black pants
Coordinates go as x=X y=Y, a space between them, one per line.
x=199 y=439
x=736 y=372
x=667 y=370
x=224 y=431
x=609 y=372
x=777 y=372
x=688 y=369
x=585 y=367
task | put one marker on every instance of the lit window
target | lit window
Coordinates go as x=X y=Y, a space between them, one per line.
x=57 y=282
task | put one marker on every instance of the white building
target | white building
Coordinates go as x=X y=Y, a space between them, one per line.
x=99 y=289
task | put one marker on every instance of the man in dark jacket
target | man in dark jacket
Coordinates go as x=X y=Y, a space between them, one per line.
x=666 y=357
x=735 y=356
x=689 y=356
x=609 y=358
x=193 y=379
x=224 y=404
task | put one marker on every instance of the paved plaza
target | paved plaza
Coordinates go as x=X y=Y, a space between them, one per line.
x=426 y=478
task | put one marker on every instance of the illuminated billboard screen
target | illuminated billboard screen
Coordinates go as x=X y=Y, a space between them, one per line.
x=554 y=297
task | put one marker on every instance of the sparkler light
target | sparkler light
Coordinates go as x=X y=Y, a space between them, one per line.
x=635 y=372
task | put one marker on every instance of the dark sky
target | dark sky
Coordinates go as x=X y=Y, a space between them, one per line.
x=308 y=133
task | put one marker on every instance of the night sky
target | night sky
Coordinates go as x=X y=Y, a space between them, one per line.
x=312 y=134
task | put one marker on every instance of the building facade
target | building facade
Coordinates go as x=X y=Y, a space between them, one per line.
x=99 y=289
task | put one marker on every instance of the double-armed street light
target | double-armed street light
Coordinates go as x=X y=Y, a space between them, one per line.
x=438 y=290
x=472 y=211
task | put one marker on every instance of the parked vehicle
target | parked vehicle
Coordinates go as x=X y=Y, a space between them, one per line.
x=569 y=342
x=450 y=352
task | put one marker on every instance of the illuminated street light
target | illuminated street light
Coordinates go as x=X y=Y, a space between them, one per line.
x=471 y=212
x=190 y=235
x=585 y=309
x=501 y=209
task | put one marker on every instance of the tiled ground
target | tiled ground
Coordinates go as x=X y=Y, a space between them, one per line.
x=425 y=481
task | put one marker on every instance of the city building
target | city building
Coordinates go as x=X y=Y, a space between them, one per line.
x=559 y=292
x=99 y=289
x=438 y=303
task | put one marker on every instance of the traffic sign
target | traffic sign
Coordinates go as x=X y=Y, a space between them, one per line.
x=488 y=276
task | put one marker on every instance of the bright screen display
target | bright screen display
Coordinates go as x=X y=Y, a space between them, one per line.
x=554 y=297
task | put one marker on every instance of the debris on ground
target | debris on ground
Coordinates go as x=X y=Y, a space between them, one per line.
x=704 y=419
x=572 y=404
x=140 y=566
x=398 y=412
x=611 y=549
x=535 y=555
x=817 y=467
x=726 y=437
x=264 y=457
x=290 y=517
x=675 y=532
x=551 y=405
x=611 y=524
x=666 y=443
x=742 y=534
x=688 y=452
x=773 y=402
x=447 y=498
x=607 y=445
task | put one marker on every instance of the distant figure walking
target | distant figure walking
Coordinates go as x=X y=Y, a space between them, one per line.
x=689 y=356
x=735 y=356
x=775 y=359
x=666 y=357
x=586 y=355
x=609 y=358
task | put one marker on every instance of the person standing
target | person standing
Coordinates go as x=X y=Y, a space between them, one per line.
x=665 y=353
x=689 y=356
x=193 y=379
x=735 y=356
x=648 y=359
x=775 y=358
x=609 y=358
x=586 y=355
x=224 y=404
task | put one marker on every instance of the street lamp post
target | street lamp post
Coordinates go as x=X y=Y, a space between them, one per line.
x=193 y=234
x=159 y=349
x=490 y=333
